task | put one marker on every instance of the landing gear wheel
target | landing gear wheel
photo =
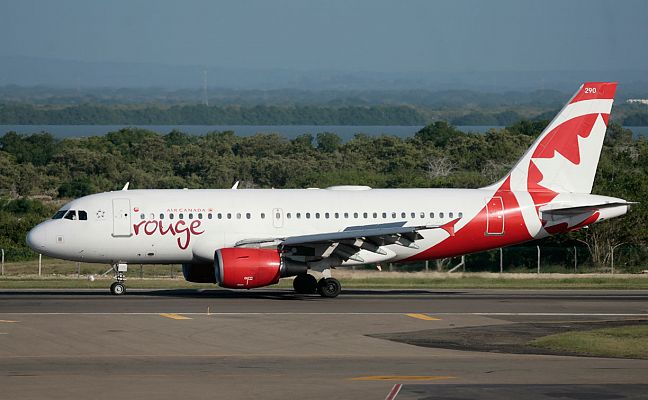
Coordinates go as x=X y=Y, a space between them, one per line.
x=305 y=284
x=117 y=288
x=329 y=287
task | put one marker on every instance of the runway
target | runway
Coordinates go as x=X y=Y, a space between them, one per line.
x=273 y=344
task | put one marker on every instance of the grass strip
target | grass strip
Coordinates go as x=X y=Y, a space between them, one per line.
x=360 y=281
x=621 y=342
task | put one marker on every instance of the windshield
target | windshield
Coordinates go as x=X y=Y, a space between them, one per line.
x=59 y=214
x=71 y=214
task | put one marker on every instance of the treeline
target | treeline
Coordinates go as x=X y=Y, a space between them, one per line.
x=39 y=172
x=92 y=114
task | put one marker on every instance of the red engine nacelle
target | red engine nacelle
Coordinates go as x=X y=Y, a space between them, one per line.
x=245 y=268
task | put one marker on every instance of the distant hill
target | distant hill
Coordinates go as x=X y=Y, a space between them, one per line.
x=32 y=71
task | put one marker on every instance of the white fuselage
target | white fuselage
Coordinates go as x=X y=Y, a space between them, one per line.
x=187 y=226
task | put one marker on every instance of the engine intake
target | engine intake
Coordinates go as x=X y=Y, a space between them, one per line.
x=246 y=268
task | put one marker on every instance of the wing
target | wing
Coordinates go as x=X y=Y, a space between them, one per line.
x=345 y=245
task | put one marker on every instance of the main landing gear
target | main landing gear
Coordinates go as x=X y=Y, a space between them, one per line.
x=308 y=284
x=118 y=288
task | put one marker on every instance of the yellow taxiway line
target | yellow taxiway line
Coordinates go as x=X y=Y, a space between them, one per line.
x=174 y=316
x=424 y=317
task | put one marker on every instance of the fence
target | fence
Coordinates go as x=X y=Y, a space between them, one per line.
x=527 y=258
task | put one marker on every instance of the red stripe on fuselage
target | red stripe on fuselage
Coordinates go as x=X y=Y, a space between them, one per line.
x=472 y=237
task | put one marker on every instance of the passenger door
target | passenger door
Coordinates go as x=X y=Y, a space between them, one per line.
x=495 y=216
x=121 y=218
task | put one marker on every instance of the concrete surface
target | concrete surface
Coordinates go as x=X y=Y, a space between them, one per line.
x=272 y=344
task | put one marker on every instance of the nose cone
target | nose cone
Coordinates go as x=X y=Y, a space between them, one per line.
x=36 y=238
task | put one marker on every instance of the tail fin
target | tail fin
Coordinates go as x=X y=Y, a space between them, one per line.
x=564 y=157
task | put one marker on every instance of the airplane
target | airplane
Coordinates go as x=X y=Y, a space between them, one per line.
x=244 y=239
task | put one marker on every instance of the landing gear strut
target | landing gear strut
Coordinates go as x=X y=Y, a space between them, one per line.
x=305 y=284
x=118 y=288
x=329 y=287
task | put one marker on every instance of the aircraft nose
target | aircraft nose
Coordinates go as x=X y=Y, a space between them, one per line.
x=36 y=238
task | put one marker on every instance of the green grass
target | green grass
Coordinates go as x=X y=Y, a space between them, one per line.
x=623 y=341
x=358 y=280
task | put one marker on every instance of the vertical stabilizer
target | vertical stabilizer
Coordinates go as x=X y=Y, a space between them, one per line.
x=564 y=157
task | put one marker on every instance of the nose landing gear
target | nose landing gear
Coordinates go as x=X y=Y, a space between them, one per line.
x=118 y=288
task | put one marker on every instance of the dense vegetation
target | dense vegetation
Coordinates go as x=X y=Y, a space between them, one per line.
x=300 y=114
x=196 y=114
x=38 y=172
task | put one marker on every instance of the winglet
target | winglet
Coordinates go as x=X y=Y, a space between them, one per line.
x=450 y=226
x=126 y=186
x=235 y=186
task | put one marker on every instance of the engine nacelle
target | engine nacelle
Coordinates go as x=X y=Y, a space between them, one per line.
x=246 y=268
x=199 y=273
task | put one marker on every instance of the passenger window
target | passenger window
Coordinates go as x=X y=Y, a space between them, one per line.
x=161 y=216
x=248 y=215
x=431 y=215
x=307 y=215
x=317 y=215
x=440 y=215
x=190 y=215
x=365 y=215
x=181 y=216
x=337 y=215
x=422 y=214
x=375 y=215
x=393 y=215
x=142 y=216
x=450 y=215
x=346 y=215
x=460 y=215
x=229 y=215
x=199 y=215
x=413 y=215
x=220 y=216
x=71 y=215
x=384 y=215
x=355 y=215
x=171 y=216
x=326 y=215
x=288 y=215
x=83 y=216
x=262 y=215
x=238 y=216
x=298 y=215
x=209 y=216
x=403 y=215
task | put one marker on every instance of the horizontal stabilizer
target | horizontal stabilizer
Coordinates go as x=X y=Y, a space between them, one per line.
x=571 y=211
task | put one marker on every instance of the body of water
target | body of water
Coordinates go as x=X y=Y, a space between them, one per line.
x=346 y=132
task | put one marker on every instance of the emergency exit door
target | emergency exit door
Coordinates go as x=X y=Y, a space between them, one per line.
x=121 y=217
x=495 y=216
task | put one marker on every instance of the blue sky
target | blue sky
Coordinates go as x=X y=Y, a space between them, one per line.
x=371 y=35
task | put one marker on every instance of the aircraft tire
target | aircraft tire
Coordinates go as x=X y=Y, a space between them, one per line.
x=329 y=287
x=117 y=289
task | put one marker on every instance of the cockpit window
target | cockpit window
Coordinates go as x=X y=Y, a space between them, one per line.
x=83 y=216
x=71 y=215
x=59 y=214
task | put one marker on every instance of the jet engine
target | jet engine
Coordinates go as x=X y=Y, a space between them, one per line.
x=247 y=268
